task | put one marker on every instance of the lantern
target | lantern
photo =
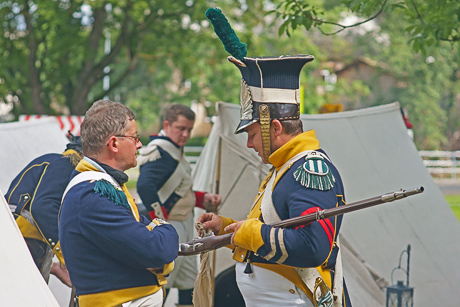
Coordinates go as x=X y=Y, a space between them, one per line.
x=401 y=295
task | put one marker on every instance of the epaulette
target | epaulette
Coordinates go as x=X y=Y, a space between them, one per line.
x=73 y=157
x=109 y=191
x=148 y=154
x=314 y=173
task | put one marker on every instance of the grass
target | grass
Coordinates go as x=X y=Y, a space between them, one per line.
x=454 y=202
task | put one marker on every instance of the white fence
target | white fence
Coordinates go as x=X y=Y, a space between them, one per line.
x=192 y=153
x=442 y=164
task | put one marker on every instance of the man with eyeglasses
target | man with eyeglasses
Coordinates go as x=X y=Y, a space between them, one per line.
x=165 y=188
x=115 y=256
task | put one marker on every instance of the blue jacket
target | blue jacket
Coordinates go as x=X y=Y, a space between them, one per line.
x=107 y=245
x=300 y=189
x=38 y=188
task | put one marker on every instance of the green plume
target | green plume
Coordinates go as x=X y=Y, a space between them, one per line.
x=224 y=31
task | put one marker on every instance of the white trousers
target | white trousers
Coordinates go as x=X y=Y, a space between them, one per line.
x=152 y=300
x=266 y=288
x=185 y=268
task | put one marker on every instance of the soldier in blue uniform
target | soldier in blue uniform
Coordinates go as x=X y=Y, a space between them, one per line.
x=34 y=197
x=165 y=187
x=115 y=255
x=275 y=266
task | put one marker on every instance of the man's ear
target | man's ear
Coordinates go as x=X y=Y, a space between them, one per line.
x=113 y=144
x=277 y=127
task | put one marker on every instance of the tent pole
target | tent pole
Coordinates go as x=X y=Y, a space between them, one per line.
x=217 y=190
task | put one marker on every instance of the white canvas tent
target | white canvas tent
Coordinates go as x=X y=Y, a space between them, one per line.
x=375 y=155
x=21 y=284
x=21 y=142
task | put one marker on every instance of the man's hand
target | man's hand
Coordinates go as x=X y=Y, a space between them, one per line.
x=211 y=202
x=234 y=228
x=60 y=271
x=210 y=221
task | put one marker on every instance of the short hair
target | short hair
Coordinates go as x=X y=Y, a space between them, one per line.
x=173 y=111
x=102 y=120
x=292 y=126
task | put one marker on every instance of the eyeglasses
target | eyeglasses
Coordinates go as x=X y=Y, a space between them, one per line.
x=136 y=138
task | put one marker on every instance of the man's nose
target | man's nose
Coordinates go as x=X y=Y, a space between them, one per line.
x=249 y=143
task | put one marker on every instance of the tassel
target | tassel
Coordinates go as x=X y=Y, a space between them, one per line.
x=107 y=190
x=248 y=269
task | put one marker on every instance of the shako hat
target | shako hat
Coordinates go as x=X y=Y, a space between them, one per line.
x=273 y=82
x=270 y=86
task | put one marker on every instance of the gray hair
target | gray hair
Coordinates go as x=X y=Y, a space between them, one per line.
x=104 y=119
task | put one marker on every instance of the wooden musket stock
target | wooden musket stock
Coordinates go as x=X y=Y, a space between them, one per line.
x=205 y=244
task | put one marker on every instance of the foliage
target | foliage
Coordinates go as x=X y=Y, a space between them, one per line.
x=427 y=22
x=54 y=56
x=425 y=75
x=53 y=60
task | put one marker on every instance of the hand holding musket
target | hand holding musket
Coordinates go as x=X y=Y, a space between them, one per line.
x=211 y=242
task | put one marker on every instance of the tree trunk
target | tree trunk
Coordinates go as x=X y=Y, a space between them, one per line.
x=34 y=72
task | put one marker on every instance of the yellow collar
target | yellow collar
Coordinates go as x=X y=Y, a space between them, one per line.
x=301 y=142
x=84 y=166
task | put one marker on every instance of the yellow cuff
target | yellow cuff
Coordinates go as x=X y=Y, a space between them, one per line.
x=249 y=235
x=156 y=222
x=225 y=222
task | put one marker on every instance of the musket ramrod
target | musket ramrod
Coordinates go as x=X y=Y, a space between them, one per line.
x=201 y=245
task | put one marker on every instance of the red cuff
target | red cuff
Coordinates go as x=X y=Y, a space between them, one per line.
x=199 y=197
x=154 y=216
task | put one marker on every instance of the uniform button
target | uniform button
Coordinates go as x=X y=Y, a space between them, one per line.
x=242 y=256
x=50 y=240
x=58 y=249
x=53 y=244
x=292 y=291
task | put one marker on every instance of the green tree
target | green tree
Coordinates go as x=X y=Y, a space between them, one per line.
x=427 y=22
x=416 y=42
x=54 y=57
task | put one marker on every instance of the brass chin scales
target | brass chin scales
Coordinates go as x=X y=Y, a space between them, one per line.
x=265 y=129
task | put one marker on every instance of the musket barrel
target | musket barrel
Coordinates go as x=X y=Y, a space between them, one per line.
x=197 y=246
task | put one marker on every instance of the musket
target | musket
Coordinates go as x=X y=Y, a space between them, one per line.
x=201 y=245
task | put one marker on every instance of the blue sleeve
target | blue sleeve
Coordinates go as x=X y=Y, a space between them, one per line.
x=306 y=246
x=114 y=229
x=152 y=176
x=47 y=199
